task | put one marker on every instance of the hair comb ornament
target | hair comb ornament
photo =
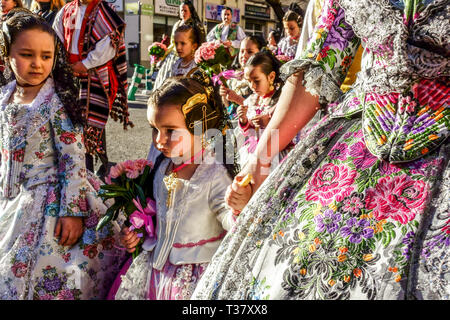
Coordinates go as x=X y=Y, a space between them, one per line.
x=199 y=98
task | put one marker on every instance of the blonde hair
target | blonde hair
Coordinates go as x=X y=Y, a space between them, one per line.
x=55 y=4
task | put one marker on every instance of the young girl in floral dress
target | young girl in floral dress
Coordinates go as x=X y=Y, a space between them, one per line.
x=45 y=198
x=189 y=190
x=238 y=88
x=262 y=72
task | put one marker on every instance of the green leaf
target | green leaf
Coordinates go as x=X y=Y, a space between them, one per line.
x=141 y=195
x=144 y=176
x=103 y=222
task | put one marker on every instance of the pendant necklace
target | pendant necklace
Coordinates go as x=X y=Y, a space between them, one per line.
x=171 y=181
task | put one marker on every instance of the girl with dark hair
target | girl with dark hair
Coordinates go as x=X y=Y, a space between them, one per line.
x=187 y=40
x=238 y=88
x=188 y=16
x=189 y=190
x=292 y=22
x=262 y=72
x=49 y=209
x=272 y=41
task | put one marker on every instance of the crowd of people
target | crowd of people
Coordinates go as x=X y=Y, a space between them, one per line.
x=327 y=176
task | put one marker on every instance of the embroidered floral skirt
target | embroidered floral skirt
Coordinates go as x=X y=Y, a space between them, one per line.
x=335 y=222
x=34 y=266
x=172 y=282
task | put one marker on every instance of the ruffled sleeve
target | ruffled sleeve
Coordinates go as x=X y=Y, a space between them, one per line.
x=328 y=55
x=71 y=165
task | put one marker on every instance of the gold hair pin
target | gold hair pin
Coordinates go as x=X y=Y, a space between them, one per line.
x=192 y=101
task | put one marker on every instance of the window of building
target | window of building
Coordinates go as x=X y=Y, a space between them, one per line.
x=162 y=25
x=253 y=27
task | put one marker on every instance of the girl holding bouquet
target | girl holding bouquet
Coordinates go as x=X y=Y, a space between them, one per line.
x=189 y=190
x=262 y=71
x=49 y=249
x=238 y=88
x=292 y=22
x=188 y=16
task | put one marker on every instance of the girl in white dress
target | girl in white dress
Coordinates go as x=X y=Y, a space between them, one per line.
x=189 y=190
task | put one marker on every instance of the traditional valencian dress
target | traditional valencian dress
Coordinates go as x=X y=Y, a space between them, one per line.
x=43 y=177
x=188 y=233
x=359 y=209
x=182 y=69
x=288 y=46
x=247 y=136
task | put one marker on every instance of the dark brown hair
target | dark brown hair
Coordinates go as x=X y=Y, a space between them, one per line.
x=194 y=33
x=66 y=86
x=177 y=90
x=294 y=13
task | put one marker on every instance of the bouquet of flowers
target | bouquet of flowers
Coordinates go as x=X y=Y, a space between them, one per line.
x=128 y=184
x=214 y=58
x=283 y=59
x=156 y=51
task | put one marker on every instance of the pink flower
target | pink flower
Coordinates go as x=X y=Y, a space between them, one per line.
x=399 y=198
x=65 y=295
x=339 y=151
x=116 y=171
x=19 y=269
x=330 y=183
x=363 y=158
x=206 y=52
x=140 y=165
x=82 y=204
x=131 y=171
x=51 y=196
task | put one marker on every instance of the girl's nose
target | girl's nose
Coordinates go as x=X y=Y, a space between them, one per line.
x=161 y=138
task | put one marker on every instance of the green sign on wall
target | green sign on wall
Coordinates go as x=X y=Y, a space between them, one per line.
x=133 y=8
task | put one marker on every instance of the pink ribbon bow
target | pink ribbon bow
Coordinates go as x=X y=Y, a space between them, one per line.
x=227 y=74
x=143 y=217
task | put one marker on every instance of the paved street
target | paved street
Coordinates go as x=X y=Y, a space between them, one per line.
x=133 y=143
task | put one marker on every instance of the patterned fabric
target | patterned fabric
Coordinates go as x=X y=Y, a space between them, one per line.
x=104 y=91
x=172 y=282
x=351 y=214
x=287 y=46
x=43 y=177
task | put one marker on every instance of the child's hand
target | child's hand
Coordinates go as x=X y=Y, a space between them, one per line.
x=241 y=112
x=261 y=120
x=236 y=196
x=68 y=230
x=129 y=239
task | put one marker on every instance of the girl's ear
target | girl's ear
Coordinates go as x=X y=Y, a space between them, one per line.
x=271 y=77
